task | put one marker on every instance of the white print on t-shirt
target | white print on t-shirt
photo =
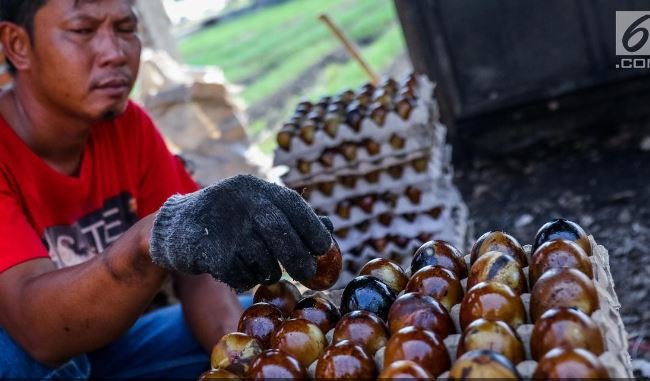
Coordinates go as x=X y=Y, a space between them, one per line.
x=91 y=234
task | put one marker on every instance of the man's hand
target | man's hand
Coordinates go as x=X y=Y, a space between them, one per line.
x=237 y=230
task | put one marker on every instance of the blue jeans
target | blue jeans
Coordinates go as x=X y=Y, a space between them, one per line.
x=159 y=345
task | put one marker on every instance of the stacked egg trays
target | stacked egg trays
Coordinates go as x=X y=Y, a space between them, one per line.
x=361 y=157
x=606 y=317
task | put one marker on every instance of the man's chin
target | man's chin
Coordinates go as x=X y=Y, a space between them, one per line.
x=109 y=115
x=111 y=112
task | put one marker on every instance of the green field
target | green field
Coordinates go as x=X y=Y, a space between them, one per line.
x=266 y=51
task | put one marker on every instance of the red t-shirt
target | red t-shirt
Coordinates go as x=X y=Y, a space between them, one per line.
x=126 y=173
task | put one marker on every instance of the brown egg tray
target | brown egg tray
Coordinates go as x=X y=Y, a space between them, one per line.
x=616 y=358
x=382 y=208
x=349 y=153
x=307 y=172
x=348 y=115
x=417 y=172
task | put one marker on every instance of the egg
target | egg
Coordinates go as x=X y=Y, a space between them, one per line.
x=422 y=347
x=565 y=327
x=420 y=311
x=501 y=242
x=563 y=288
x=437 y=282
x=558 y=254
x=282 y=294
x=492 y=301
x=483 y=364
x=439 y=253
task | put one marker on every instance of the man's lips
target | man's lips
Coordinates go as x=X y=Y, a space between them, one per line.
x=113 y=86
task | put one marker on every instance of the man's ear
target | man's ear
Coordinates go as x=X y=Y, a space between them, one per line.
x=16 y=44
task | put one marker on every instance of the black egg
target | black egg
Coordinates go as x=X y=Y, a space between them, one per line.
x=562 y=229
x=367 y=293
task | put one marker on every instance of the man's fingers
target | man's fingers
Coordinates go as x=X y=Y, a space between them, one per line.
x=251 y=263
x=309 y=227
x=284 y=243
x=327 y=222
x=265 y=263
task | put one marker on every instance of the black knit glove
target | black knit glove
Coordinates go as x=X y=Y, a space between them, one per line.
x=237 y=230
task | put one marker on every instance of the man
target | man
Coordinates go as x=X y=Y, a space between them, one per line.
x=88 y=230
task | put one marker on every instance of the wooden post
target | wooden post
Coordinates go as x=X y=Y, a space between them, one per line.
x=351 y=49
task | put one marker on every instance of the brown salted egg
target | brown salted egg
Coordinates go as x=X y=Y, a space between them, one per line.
x=260 y=321
x=420 y=311
x=483 y=364
x=328 y=269
x=363 y=328
x=404 y=369
x=439 y=253
x=235 y=352
x=275 y=364
x=558 y=254
x=501 y=242
x=565 y=327
x=282 y=294
x=492 y=301
x=345 y=360
x=423 y=347
x=318 y=310
x=498 y=267
x=300 y=339
x=386 y=271
x=563 y=288
x=492 y=335
x=437 y=282
x=569 y=363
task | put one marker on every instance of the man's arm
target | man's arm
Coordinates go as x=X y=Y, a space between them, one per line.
x=56 y=314
x=211 y=308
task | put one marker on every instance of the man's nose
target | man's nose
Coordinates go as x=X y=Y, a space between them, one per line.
x=111 y=50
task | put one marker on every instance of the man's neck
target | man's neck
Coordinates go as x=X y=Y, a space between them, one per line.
x=58 y=138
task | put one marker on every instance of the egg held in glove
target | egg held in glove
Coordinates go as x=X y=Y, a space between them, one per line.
x=240 y=230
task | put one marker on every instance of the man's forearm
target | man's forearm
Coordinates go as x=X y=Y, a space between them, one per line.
x=81 y=308
x=211 y=308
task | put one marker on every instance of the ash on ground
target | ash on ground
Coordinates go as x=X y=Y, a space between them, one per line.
x=599 y=178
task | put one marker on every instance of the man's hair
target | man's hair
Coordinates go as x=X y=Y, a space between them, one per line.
x=21 y=13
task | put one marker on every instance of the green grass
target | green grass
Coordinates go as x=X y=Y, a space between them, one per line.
x=338 y=77
x=268 y=50
x=284 y=40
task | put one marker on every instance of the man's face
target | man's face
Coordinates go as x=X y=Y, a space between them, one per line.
x=86 y=55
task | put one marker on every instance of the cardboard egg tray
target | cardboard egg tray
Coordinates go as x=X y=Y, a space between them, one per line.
x=418 y=136
x=616 y=358
x=314 y=172
x=423 y=111
x=321 y=195
x=372 y=206
x=359 y=156
x=358 y=175
x=399 y=225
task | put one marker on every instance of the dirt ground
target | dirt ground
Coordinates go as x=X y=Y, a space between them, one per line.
x=598 y=177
